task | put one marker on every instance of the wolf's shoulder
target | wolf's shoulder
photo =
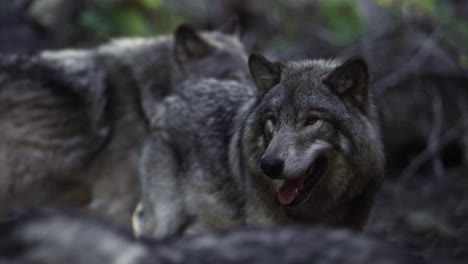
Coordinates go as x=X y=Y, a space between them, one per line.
x=214 y=88
x=198 y=100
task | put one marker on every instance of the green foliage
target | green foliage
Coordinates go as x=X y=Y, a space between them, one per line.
x=130 y=22
x=342 y=17
x=103 y=19
x=94 y=24
x=98 y=20
x=151 y=4
x=164 y=20
x=441 y=14
x=419 y=6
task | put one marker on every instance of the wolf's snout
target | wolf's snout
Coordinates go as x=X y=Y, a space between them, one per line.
x=272 y=167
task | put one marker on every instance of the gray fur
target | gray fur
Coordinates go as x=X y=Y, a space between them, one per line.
x=74 y=120
x=52 y=127
x=201 y=167
x=61 y=238
x=157 y=64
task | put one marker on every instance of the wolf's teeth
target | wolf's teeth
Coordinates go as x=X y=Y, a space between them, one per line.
x=296 y=191
x=278 y=183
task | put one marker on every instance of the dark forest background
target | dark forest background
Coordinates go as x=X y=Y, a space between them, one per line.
x=418 y=56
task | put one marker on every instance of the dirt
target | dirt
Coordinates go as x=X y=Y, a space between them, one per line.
x=427 y=217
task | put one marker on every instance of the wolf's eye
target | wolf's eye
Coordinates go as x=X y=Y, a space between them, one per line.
x=311 y=120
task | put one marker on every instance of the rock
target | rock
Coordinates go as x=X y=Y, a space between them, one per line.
x=66 y=238
x=421 y=222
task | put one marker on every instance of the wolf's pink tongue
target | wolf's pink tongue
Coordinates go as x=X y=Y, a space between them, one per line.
x=287 y=192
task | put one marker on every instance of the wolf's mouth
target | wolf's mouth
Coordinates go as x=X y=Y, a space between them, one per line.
x=293 y=192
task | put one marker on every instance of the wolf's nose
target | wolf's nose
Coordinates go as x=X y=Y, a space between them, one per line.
x=272 y=167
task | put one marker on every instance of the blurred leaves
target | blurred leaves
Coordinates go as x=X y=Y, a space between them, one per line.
x=92 y=22
x=284 y=24
x=423 y=6
x=100 y=20
x=151 y=4
x=131 y=22
x=342 y=17
x=441 y=14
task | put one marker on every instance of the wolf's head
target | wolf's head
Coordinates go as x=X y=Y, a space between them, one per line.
x=312 y=135
x=214 y=54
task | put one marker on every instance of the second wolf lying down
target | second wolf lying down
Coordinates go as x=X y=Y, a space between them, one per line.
x=73 y=121
x=303 y=148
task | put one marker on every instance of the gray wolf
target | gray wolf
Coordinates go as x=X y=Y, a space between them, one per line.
x=73 y=121
x=55 y=238
x=302 y=147
x=157 y=64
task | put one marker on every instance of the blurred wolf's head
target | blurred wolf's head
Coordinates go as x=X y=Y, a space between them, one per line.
x=211 y=54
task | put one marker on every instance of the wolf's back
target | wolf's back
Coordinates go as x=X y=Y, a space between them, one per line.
x=53 y=121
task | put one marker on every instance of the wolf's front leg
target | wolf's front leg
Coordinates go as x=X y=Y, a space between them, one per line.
x=163 y=211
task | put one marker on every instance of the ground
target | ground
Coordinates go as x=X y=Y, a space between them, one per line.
x=427 y=217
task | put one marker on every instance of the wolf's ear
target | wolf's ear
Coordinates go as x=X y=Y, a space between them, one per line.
x=265 y=74
x=188 y=44
x=232 y=27
x=351 y=79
